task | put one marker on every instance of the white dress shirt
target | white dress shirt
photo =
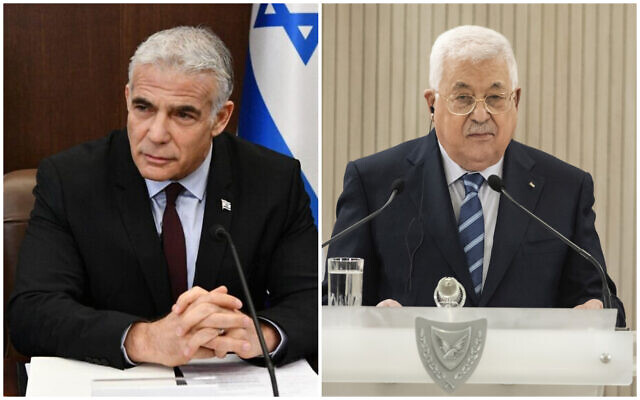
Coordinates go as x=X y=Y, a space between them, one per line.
x=190 y=205
x=489 y=199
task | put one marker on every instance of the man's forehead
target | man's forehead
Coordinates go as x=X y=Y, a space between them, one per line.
x=169 y=68
x=485 y=74
x=150 y=81
x=463 y=85
x=173 y=75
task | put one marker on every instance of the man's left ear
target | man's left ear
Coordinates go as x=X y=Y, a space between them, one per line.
x=127 y=93
x=222 y=118
x=518 y=97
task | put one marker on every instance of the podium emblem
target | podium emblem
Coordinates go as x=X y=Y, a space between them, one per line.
x=450 y=351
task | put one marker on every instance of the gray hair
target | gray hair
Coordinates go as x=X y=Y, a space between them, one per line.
x=470 y=42
x=191 y=50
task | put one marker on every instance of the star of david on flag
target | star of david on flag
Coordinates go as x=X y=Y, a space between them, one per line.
x=293 y=24
x=279 y=104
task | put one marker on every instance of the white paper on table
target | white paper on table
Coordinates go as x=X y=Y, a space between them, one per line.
x=215 y=377
x=54 y=376
x=232 y=376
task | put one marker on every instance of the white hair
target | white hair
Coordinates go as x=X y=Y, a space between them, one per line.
x=191 y=50
x=470 y=42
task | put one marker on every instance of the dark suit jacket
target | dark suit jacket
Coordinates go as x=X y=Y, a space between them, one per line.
x=92 y=263
x=415 y=242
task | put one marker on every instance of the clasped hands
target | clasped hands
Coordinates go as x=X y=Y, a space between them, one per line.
x=202 y=324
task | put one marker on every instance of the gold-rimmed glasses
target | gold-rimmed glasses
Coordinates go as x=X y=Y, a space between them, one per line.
x=463 y=103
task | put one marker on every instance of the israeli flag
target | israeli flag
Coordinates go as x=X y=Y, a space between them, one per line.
x=279 y=106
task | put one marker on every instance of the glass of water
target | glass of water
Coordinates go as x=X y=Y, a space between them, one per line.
x=345 y=281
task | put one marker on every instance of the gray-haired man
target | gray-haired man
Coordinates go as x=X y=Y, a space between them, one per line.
x=449 y=222
x=119 y=264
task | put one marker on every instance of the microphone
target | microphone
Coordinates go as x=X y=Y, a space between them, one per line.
x=221 y=234
x=496 y=184
x=449 y=293
x=396 y=188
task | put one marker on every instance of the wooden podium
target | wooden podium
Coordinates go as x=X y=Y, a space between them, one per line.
x=528 y=351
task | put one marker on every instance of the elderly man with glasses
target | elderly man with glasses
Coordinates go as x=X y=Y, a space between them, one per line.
x=449 y=222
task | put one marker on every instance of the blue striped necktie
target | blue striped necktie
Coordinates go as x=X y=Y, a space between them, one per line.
x=471 y=228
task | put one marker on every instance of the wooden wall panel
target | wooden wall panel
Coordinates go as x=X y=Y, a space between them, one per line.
x=355 y=81
x=369 y=82
x=577 y=70
x=575 y=81
x=412 y=93
x=589 y=90
x=65 y=67
x=342 y=103
x=331 y=183
x=396 y=81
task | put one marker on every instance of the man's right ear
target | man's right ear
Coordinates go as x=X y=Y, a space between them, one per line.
x=430 y=96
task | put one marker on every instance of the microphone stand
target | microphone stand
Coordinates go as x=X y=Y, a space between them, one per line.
x=221 y=233
x=397 y=187
x=496 y=184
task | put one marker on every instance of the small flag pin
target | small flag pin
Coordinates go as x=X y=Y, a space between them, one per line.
x=226 y=205
x=532 y=184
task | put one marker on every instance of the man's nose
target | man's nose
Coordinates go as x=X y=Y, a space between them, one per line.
x=480 y=113
x=158 y=131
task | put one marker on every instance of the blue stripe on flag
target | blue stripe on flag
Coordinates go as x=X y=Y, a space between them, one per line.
x=256 y=125
x=291 y=22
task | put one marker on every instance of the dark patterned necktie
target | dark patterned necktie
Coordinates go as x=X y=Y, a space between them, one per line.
x=471 y=228
x=173 y=242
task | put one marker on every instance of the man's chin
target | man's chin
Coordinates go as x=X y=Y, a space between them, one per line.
x=156 y=174
x=480 y=162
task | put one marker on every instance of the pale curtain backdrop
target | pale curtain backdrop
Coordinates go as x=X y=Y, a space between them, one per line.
x=577 y=70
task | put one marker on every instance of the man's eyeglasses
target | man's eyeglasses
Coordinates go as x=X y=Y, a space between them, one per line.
x=463 y=104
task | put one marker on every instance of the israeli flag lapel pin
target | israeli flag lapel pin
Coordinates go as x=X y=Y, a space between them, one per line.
x=226 y=205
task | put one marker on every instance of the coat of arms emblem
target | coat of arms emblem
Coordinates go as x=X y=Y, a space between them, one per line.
x=450 y=351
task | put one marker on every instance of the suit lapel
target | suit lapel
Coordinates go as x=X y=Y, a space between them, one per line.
x=439 y=217
x=512 y=222
x=132 y=200
x=219 y=187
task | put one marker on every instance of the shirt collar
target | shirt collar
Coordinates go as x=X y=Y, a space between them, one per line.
x=453 y=171
x=195 y=182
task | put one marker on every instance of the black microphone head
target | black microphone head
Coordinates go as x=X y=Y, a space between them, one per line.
x=397 y=185
x=218 y=232
x=495 y=183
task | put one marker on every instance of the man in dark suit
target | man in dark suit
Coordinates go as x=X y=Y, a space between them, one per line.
x=120 y=264
x=449 y=222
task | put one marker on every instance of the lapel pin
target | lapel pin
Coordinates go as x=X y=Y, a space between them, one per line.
x=226 y=205
x=532 y=184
